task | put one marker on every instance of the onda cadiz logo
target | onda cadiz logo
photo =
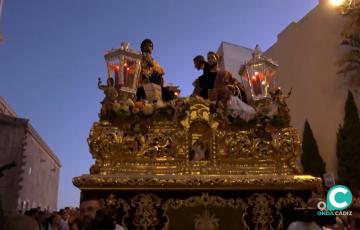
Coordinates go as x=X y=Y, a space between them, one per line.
x=338 y=198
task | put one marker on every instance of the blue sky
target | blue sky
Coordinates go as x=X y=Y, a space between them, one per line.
x=53 y=54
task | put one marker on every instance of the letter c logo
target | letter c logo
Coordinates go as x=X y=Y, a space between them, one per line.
x=339 y=197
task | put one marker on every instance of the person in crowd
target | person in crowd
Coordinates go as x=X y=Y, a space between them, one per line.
x=41 y=220
x=88 y=210
x=53 y=222
x=18 y=222
x=105 y=219
x=64 y=219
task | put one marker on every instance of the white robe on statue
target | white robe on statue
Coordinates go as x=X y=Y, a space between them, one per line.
x=238 y=108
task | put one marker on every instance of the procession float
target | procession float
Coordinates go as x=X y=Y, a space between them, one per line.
x=226 y=160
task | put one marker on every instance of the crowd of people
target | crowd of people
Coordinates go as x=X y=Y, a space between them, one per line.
x=90 y=216
x=308 y=218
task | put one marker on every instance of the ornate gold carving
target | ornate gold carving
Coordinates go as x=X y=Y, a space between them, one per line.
x=195 y=145
x=145 y=212
x=111 y=201
x=197 y=112
x=238 y=144
x=197 y=181
x=262 y=215
x=121 y=204
x=288 y=200
x=204 y=200
x=157 y=144
x=104 y=140
x=206 y=221
x=258 y=211
x=267 y=212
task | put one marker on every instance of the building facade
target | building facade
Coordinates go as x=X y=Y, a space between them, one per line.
x=232 y=57
x=308 y=52
x=34 y=181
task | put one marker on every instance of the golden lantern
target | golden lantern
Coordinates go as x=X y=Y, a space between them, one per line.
x=258 y=72
x=124 y=66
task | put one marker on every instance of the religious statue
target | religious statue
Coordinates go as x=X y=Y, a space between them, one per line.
x=110 y=97
x=279 y=99
x=219 y=86
x=199 y=151
x=151 y=71
x=213 y=82
x=200 y=64
x=151 y=84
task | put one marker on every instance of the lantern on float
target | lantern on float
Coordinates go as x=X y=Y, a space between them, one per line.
x=258 y=72
x=124 y=69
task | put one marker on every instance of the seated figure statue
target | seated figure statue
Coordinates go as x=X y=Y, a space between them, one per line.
x=213 y=81
x=200 y=64
x=219 y=86
x=152 y=72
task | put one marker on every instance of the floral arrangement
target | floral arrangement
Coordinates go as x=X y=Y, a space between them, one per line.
x=177 y=109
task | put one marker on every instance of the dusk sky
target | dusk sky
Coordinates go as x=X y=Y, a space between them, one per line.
x=53 y=54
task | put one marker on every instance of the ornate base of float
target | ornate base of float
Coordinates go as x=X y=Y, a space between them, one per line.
x=200 y=201
x=186 y=165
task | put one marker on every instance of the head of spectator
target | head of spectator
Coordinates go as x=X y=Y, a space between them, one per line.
x=41 y=219
x=88 y=210
x=64 y=214
x=104 y=220
x=53 y=222
x=76 y=224
x=18 y=222
x=34 y=212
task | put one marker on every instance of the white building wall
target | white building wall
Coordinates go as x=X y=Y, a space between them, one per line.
x=35 y=180
x=307 y=53
x=40 y=182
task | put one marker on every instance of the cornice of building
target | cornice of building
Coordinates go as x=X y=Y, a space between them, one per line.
x=8 y=114
x=6 y=109
x=15 y=120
